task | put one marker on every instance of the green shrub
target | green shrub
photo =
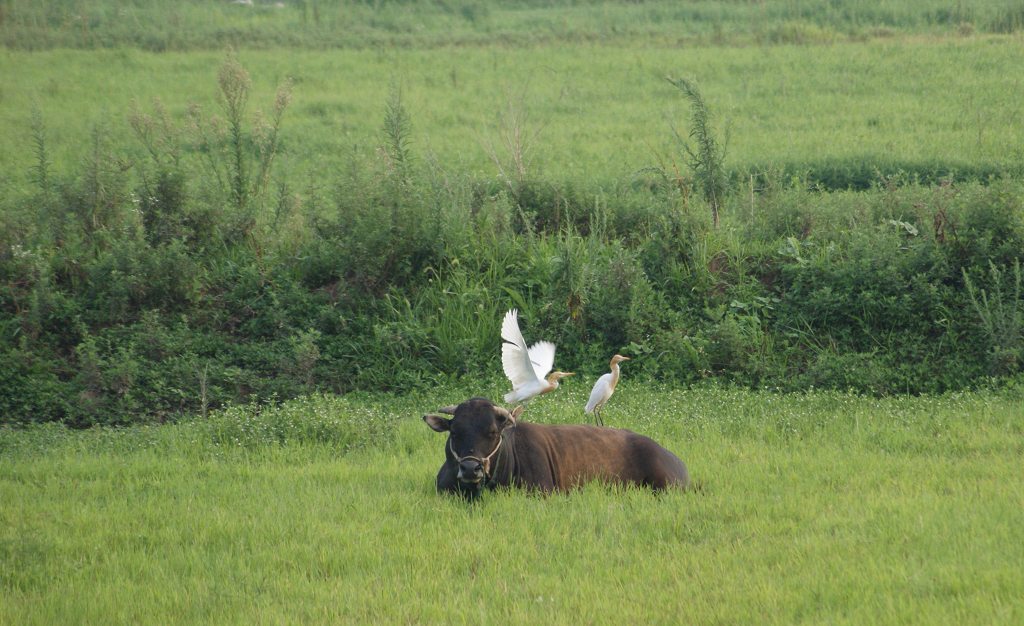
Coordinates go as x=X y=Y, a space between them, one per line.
x=30 y=389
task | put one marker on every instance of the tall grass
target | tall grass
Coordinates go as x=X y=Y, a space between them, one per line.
x=41 y=169
x=240 y=158
x=1000 y=312
x=708 y=156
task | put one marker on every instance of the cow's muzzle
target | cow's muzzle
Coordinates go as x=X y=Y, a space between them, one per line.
x=471 y=471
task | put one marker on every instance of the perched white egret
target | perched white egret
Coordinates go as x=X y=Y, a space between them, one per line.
x=526 y=368
x=604 y=388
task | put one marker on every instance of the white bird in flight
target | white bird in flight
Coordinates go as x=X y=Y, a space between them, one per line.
x=604 y=388
x=526 y=368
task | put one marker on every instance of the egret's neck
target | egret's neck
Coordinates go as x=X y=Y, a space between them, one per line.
x=615 y=374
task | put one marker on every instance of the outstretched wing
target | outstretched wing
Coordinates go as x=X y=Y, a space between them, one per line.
x=542 y=356
x=515 y=358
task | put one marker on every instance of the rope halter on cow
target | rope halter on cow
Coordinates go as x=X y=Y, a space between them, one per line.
x=484 y=462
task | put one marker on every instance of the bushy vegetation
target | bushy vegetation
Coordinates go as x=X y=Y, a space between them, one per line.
x=187 y=281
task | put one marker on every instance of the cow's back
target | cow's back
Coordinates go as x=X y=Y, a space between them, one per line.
x=566 y=456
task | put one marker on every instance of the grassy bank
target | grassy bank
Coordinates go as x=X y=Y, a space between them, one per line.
x=816 y=507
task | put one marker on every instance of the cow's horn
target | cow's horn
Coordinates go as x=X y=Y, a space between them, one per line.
x=504 y=413
x=450 y=410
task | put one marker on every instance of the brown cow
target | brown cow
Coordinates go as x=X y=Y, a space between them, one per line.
x=488 y=447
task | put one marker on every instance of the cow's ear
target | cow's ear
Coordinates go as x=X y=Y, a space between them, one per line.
x=438 y=423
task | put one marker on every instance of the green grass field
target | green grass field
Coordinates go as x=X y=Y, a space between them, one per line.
x=594 y=113
x=821 y=507
x=815 y=507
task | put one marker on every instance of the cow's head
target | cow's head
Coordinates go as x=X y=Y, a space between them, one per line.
x=474 y=436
